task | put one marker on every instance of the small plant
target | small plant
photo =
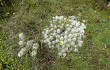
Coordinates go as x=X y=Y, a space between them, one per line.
x=65 y=34
x=28 y=45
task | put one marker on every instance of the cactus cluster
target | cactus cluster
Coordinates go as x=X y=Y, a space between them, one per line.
x=26 y=46
x=65 y=34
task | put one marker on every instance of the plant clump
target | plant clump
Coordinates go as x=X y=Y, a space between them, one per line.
x=26 y=46
x=65 y=34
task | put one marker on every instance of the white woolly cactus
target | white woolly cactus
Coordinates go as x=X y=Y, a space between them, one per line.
x=21 y=37
x=65 y=34
x=34 y=49
x=22 y=52
x=28 y=45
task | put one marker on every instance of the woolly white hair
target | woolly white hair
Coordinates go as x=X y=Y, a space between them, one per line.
x=64 y=33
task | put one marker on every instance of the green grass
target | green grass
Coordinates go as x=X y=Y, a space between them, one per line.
x=31 y=18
